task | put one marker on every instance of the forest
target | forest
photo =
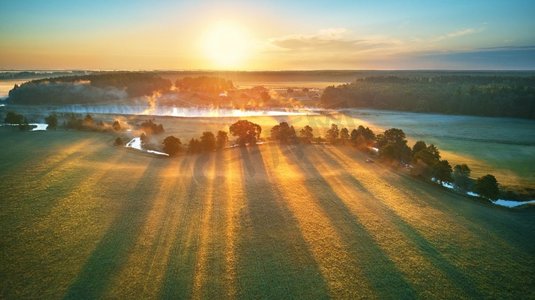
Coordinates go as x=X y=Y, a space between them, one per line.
x=102 y=87
x=495 y=96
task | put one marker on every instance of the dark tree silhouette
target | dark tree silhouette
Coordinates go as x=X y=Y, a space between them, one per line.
x=487 y=186
x=172 y=145
x=306 y=134
x=149 y=127
x=418 y=146
x=194 y=146
x=333 y=133
x=393 y=145
x=284 y=133
x=221 y=139
x=344 y=135
x=247 y=132
x=208 y=141
x=441 y=171
x=52 y=121
x=461 y=177
x=14 y=118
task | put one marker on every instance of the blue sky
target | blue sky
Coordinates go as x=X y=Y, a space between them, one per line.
x=268 y=34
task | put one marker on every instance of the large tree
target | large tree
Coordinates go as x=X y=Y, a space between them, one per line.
x=221 y=139
x=284 y=133
x=441 y=171
x=306 y=134
x=461 y=177
x=393 y=145
x=487 y=186
x=52 y=121
x=247 y=132
x=333 y=133
x=208 y=141
x=172 y=145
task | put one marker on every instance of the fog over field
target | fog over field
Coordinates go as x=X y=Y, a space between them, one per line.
x=267 y=149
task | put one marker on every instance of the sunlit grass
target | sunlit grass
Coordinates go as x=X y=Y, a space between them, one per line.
x=81 y=217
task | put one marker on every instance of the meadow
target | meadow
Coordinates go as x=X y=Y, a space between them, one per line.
x=81 y=218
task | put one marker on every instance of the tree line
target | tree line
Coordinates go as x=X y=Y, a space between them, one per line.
x=424 y=161
x=103 y=87
x=391 y=146
x=495 y=96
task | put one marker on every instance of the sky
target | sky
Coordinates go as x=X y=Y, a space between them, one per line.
x=267 y=35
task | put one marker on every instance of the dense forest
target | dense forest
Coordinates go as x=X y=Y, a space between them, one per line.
x=496 y=96
x=103 y=87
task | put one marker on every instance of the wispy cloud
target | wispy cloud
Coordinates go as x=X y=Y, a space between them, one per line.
x=336 y=40
x=457 y=33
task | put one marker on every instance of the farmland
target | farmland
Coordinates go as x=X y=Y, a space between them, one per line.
x=83 y=218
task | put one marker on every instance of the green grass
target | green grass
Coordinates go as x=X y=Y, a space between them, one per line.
x=80 y=218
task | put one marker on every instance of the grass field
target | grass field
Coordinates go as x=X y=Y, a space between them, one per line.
x=80 y=218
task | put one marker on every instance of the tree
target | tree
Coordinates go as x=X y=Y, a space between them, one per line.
x=118 y=141
x=14 y=118
x=221 y=139
x=194 y=146
x=344 y=135
x=208 y=141
x=306 y=134
x=487 y=186
x=366 y=133
x=116 y=125
x=393 y=145
x=333 y=133
x=418 y=146
x=284 y=133
x=172 y=145
x=461 y=177
x=52 y=121
x=247 y=132
x=149 y=127
x=353 y=137
x=88 y=120
x=441 y=171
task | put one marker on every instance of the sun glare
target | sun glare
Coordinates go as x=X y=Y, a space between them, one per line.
x=226 y=46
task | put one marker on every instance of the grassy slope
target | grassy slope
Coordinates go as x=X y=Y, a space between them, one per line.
x=81 y=218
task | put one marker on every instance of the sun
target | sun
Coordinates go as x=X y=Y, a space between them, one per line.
x=226 y=46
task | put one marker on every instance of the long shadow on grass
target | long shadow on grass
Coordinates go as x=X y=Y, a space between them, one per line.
x=179 y=276
x=113 y=249
x=511 y=226
x=216 y=283
x=380 y=270
x=274 y=260
x=456 y=276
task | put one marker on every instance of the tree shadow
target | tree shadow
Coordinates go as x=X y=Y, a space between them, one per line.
x=490 y=220
x=274 y=260
x=179 y=275
x=428 y=250
x=380 y=271
x=112 y=250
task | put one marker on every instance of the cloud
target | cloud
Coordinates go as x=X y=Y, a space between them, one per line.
x=335 y=40
x=457 y=33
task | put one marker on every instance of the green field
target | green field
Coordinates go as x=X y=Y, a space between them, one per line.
x=83 y=219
